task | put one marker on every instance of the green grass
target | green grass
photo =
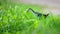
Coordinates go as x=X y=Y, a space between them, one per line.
x=15 y=20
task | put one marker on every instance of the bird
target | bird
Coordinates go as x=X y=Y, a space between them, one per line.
x=37 y=13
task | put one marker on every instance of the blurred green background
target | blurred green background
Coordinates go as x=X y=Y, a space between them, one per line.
x=15 y=20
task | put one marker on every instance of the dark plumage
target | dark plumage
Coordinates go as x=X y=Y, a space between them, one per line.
x=38 y=14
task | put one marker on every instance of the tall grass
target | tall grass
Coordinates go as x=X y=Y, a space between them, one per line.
x=15 y=20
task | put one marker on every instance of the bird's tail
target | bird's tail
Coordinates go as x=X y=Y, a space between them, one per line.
x=46 y=15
